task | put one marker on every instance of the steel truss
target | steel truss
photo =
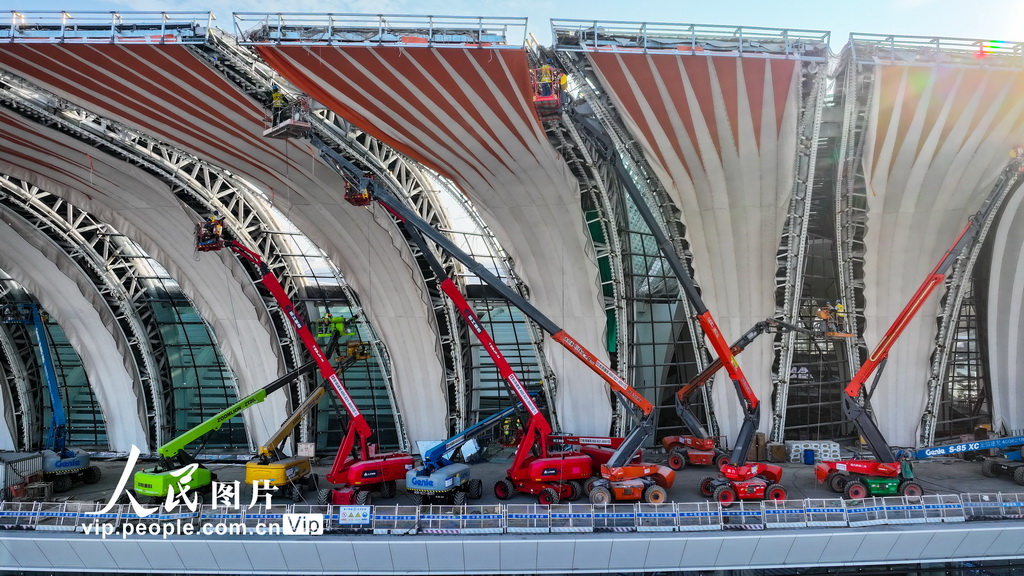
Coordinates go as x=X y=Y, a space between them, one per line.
x=19 y=367
x=792 y=253
x=205 y=189
x=98 y=251
x=958 y=287
x=414 y=184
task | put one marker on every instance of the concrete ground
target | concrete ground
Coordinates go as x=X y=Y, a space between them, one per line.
x=945 y=476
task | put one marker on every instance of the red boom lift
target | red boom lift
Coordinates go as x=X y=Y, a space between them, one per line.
x=890 y=472
x=537 y=468
x=699 y=447
x=737 y=479
x=622 y=477
x=356 y=468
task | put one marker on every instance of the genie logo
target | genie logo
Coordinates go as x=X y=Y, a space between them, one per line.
x=72 y=463
x=934 y=452
x=424 y=482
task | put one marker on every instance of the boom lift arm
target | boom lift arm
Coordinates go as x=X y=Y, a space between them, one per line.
x=890 y=472
x=354 y=465
x=365 y=190
x=275 y=468
x=62 y=463
x=270 y=450
x=701 y=441
x=157 y=481
x=875 y=362
x=626 y=478
x=726 y=357
x=173 y=454
x=535 y=468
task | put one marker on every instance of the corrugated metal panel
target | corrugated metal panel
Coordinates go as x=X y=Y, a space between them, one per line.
x=17 y=467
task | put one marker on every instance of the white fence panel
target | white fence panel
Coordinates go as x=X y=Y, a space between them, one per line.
x=904 y=510
x=693 y=516
x=571 y=518
x=867 y=512
x=532 y=518
x=741 y=515
x=943 y=508
x=395 y=519
x=615 y=517
x=784 y=513
x=825 y=512
x=656 y=517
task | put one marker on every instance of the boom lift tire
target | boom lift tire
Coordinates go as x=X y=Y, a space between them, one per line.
x=476 y=489
x=323 y=496
x=988 y=468
x=92 y=474
x=775 y=492
x=1018 y=475
x=676 y=459
x=388 y=489
x=705 y=486
x=362 y=497
x=548 y=497
x=837 y=481
x=655 y=494
x=912 y=489
x=296 y=493
x=725 y=495
x=588 y=485
x=855 y=490
x=459 y=498
x=722 y=460
x=504 y=489
x=62 y=483
x=312 y=481
x=417 y=499
x=600 y=495
x=575 y=490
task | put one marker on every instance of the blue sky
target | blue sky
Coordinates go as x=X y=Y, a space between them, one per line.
x=990 y=20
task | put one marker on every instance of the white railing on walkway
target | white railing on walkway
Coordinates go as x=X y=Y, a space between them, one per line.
x=531 y=518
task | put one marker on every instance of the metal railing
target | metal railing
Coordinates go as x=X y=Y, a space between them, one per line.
x=377 y=29
x=108 y=27
x=835 y=512
x=919 y=50
x=694 y=38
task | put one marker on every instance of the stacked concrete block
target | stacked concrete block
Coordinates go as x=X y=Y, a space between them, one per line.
x=826 y=450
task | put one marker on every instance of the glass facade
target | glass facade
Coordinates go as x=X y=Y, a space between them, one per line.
x=964 y=400
x=203 y=385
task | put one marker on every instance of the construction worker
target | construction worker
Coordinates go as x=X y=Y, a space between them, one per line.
x=545 y=76
x=840 y=316
x=276 y=102
x=826 y=324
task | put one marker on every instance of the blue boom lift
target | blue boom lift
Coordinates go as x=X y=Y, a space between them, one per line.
x=62 y=464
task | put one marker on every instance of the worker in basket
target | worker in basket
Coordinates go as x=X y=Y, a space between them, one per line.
x=329 y=323
x=357 y=196
x=209 y=232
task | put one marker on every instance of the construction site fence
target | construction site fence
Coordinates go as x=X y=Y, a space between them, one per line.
x=89 y=517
